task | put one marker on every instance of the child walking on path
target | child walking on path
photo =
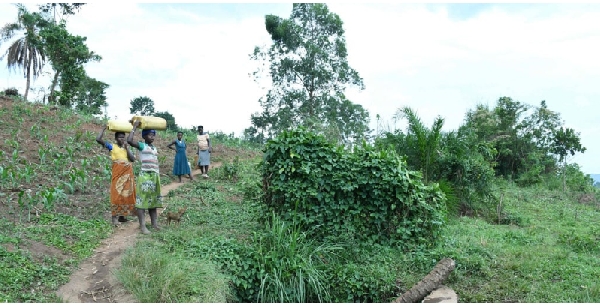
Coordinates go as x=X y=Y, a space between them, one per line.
x=181 y=165
x=148 y=182
x=122 y=186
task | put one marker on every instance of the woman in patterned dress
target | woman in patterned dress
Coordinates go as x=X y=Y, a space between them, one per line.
x=148 y=182
x=122 y=187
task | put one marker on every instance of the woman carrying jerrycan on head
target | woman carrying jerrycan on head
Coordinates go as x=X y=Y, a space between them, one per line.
x=148 y=182
x=122 y=186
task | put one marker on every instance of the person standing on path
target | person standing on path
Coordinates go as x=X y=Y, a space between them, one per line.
x=148 y=182
x=122 y=185
x=204 y=150
x=181 y=165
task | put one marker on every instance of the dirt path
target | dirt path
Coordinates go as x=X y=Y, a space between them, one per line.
x=94 y=281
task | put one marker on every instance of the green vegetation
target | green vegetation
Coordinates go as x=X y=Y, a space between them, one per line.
x=36 y=38
x=231 y=238
x=37 y=258
x=154 y=276
x=366 y=194
x=307 y=64
x=54 y=184
x=542 y=250
x=299 y=216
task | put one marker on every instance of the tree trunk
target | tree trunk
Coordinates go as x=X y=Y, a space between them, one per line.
x=434 y=279
x=564 y=177
x=52 y=86
x=28 y=79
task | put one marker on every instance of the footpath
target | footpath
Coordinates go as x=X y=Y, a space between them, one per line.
x=94 y=281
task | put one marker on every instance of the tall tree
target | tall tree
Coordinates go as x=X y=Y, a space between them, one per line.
x=142 y=105
x=309 y=73
x=67 y=53
x=566 y=142
x=90 y=96
x=26 y=52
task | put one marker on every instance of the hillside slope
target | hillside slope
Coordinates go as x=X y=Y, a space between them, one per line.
x=54 y=183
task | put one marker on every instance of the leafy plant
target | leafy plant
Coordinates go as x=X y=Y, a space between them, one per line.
x=331 y=191
x=229 y=170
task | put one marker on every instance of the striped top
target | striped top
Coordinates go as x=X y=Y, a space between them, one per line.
x=149 y=157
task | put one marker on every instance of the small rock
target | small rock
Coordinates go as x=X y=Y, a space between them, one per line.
x=442 y=294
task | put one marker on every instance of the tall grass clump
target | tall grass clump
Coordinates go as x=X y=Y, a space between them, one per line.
x=157 y=277
x=291 y=265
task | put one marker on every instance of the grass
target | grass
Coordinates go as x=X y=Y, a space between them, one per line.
x=157 y=277
x=54 y=180
x=19 y=270
x=25 y=277
x=551 y=257
x=209 y=239
x=291 y=264
x=547 y=252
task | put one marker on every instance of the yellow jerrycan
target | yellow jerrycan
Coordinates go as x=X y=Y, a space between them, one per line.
x=119 y=126
x=150 y=122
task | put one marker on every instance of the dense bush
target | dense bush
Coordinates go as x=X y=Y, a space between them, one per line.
x=367 y=193
x=464 y=164
x=11 y=92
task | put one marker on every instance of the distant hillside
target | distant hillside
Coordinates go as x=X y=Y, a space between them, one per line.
x=596 y=177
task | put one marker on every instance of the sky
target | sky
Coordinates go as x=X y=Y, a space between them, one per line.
x=192 y=60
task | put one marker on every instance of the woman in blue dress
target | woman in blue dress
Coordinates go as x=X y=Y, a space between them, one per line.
x=181 y=165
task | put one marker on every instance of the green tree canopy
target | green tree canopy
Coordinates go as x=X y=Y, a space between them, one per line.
x=67 y=53
x=529 y=141
x=309 y=73
x=62 y=9
x=90 y=96
x=142 y=105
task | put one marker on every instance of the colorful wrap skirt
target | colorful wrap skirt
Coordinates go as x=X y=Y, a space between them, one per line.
x=122 y=189
x=148 y=191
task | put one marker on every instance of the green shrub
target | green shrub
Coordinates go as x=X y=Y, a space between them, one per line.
x=229 y=170
x=332 y=191
x=11 y=92
x=361 y=283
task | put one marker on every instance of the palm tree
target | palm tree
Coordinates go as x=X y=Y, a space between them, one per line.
x=424 y=142
x=26 y=52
